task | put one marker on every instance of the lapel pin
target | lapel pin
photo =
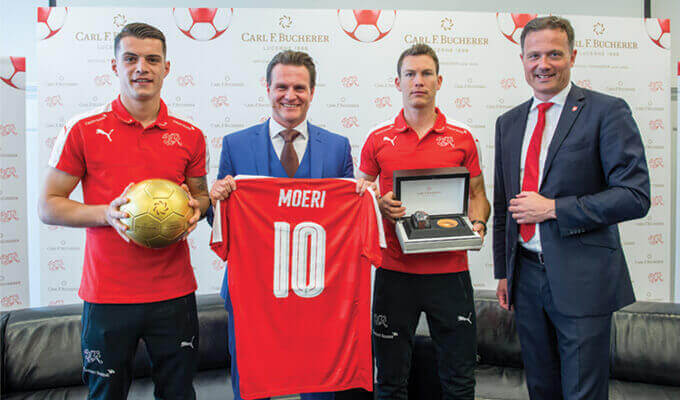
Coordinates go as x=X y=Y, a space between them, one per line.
x=574 y=108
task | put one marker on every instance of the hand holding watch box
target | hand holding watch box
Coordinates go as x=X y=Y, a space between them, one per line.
x=439 y=198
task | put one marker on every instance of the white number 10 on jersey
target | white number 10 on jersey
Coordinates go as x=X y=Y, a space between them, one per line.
x=304 y=234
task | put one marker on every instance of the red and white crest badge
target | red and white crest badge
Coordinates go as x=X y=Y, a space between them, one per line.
x=444 y=141
x=170 y=139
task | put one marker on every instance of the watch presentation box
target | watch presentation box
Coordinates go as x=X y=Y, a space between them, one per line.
x=436 y=202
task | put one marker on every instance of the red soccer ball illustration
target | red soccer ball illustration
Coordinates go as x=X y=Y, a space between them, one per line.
x=50 y=21
x=659 y=31
x=203 y=23
x=511 y=25
x=13 y=72
x=367 y=26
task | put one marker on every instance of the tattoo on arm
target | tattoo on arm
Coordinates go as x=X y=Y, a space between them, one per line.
x=198 y=186
x=203 y=184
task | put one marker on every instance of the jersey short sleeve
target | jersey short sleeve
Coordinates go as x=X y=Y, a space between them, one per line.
x=472 y=158
x=368 y=163
x=68 y=153
x=373 y=233
x=106 y=148
x=198 y=165
x=219 y=237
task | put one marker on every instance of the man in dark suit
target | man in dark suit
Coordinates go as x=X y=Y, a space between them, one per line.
x=286 y=145
x=569 y=167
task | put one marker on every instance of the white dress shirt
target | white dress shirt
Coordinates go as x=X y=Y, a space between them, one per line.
x=552 y=116
x=299 y=143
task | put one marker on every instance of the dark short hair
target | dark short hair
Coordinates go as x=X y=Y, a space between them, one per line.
x=419 y=49
x=139 y=30
x=290 y=57
x=551 y=22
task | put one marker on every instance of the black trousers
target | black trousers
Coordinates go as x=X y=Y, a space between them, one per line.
x=109 y=340
x=447 y=301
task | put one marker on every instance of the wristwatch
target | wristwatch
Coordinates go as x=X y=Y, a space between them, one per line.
x=476 y=221
x=420 y=220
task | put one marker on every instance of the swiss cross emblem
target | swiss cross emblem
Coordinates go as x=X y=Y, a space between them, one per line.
x=170 y=139
x=444 y=141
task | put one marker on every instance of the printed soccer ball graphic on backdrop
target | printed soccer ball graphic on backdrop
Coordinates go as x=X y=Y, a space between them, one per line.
x=203 y=23
x=659 y=30
x=367 y=25
x=510 y=25
x=13 y=71
x=50 y=21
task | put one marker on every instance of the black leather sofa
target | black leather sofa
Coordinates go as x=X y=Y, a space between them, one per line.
x=644 y=361
x=40 y=355
x=41 y=359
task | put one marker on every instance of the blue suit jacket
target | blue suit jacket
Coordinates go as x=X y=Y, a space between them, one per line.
x=596 y=171
x=246 y=153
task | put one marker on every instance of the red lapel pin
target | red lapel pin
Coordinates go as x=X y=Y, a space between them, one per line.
x=574 y=108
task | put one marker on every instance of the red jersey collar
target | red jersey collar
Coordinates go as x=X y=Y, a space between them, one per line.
x=439 y=124
x=122 y=114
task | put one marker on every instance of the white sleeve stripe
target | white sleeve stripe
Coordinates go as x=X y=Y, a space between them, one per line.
x=66 y=130
x=375 y=130
x=244 y=176
x=379 y=128
x=384 y=124
x=182 y=120
x=59 y=146
x=479 y=152
x=207 y=158
x=459 y=125
x=217 y=224
x=378 y=218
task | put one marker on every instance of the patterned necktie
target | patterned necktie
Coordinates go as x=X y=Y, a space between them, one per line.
x=289 y=157
x=530 y=183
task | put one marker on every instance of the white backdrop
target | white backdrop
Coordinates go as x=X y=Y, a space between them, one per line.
x=13 y=217
x=677 y=216
x=219 y=84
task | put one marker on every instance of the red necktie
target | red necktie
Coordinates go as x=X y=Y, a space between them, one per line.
x=289 y=158
x=530 y=183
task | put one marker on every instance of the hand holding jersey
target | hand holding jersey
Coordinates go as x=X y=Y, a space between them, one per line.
x=321 y=280
x=259 y=150
x=223 y=187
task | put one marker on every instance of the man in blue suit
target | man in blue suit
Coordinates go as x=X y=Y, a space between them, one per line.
x=286 y=145
x=569 y=167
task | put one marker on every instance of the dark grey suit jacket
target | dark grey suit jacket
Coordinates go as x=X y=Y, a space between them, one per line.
x=597 y=173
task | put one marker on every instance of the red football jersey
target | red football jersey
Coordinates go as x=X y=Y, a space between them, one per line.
x=107 y=149
x=394 y=146
x=299 y=255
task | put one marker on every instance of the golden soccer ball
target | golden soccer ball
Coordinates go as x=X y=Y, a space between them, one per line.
x=159 y=213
